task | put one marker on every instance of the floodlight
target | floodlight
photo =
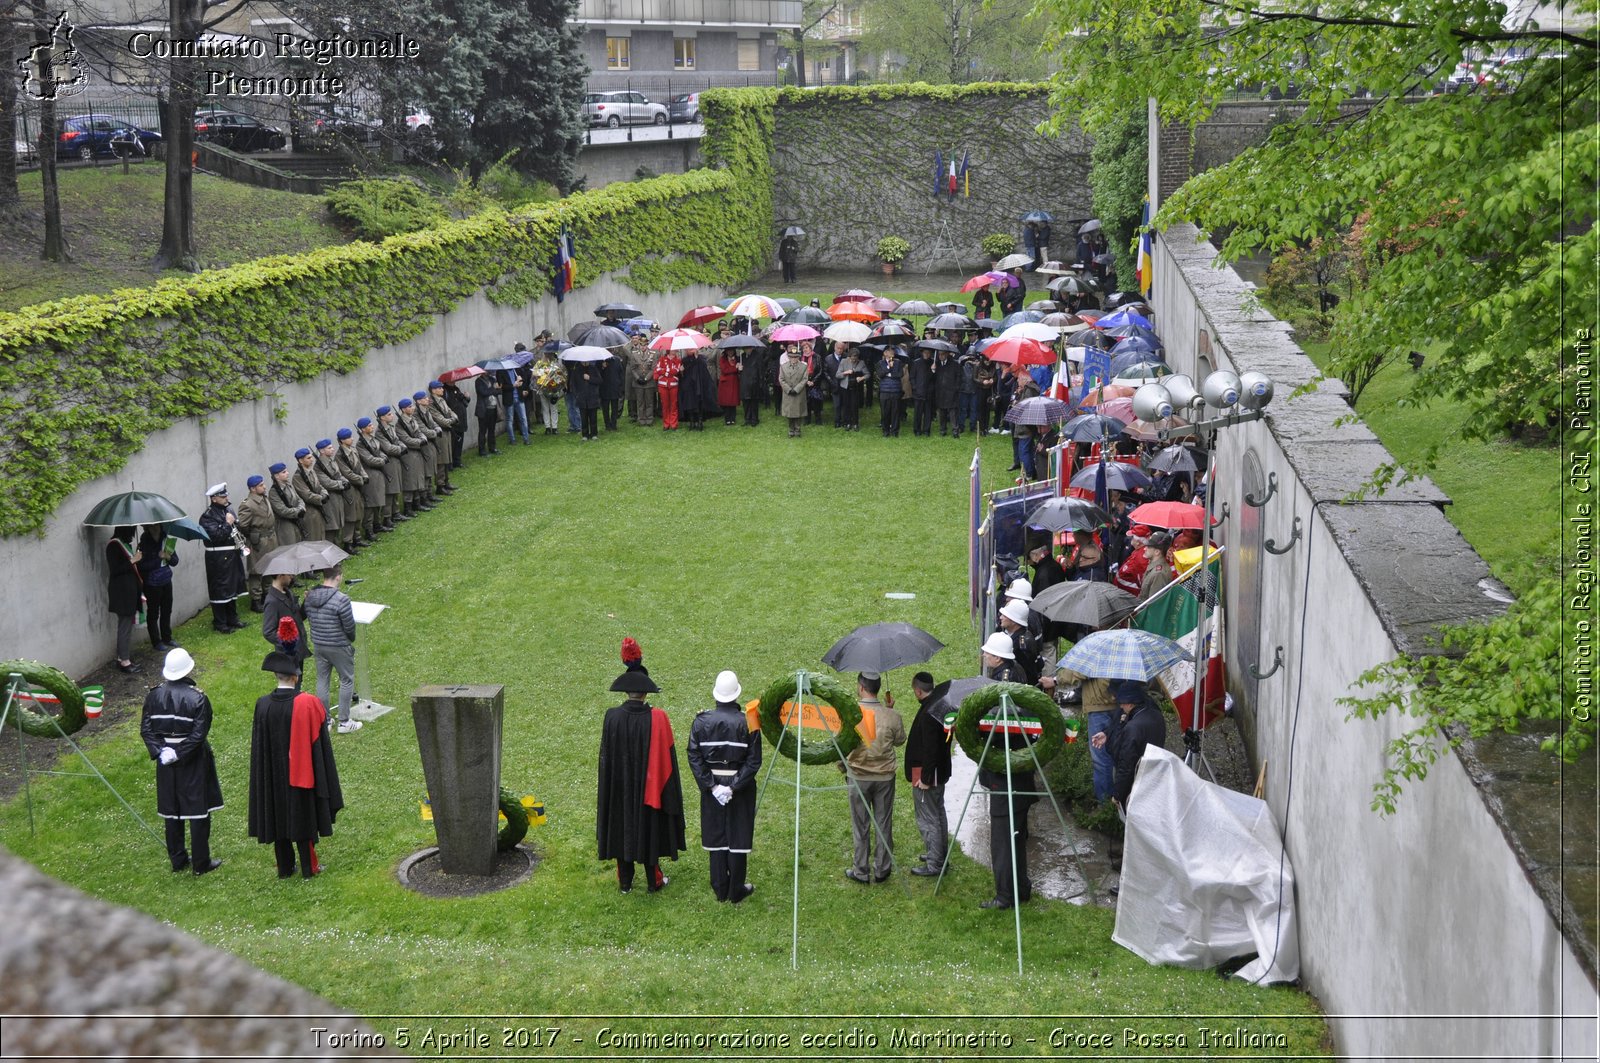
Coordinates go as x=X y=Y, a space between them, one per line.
x=1221 y=389
x=1152 y=402
x=1255 y=390
x=1181 y=388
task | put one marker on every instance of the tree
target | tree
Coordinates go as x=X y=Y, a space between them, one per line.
x=812 y=14
x=1117 y=167
x=956 y=41
x=42 y=78
x=10 y=33
x=185 y=20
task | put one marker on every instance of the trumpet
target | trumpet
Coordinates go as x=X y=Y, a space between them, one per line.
x=239 y=541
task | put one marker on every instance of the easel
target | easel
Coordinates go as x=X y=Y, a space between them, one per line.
x=944 y=245
x=795 y=716
x=13 y=689
x=1008 y=716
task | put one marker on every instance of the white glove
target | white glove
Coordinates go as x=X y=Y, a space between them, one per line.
x=168 y=755
x=723 y=794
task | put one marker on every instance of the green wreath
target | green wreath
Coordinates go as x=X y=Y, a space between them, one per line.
x=1031 y=700
x=826 y=751
x=70 y=698
x=516 y=827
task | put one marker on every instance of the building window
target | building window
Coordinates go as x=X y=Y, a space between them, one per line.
x=617 y=53
x=749 y=55
x=683 y=53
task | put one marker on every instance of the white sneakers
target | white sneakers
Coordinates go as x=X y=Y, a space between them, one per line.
x=348 y=726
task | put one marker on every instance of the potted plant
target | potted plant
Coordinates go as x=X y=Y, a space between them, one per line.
x=892 y=251
x=998 y=246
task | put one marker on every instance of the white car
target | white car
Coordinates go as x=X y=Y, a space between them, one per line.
x=614 y=109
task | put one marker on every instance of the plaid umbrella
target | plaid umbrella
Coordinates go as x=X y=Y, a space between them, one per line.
x=1039 y=410
x=1084 y=602
x=1123 y=653
x=1068 y=514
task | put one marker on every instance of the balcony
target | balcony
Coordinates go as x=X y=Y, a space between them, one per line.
x=768 y=14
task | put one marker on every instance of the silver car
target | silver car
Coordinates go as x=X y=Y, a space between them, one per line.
x=616 y=108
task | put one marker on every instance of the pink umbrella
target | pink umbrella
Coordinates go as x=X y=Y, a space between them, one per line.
x=983 y=280
x=883 y=304
x=794 y=333
x=1120 y=408
x=853 y=295
x=680 y=339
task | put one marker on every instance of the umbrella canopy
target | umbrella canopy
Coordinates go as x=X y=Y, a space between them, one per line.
x=984 y=280
x=958 y=322
x=1068 y=514
x=1054 y=268
x=890 y=330
x=1091 y=428
x=1090 y=226
x=310 y=556
x=793 y=230
x=1139 y=372
x=585 y=354
x=1173 y=516
x=807 y=315
x=456 y=376
x=950 y=308
x=916 y=308
x=1116 y=299
x=1013 y=261
x=1042 y=306
x=1117 y=406
x=1176 y=458
x=987 y=322
x=1107 y=392
x=635 y=325
x=1135 y=345
x=680 y=339
x=617 y=310
x=1143 y=431
x=739 y=339
x=1124 y=653
x=1084 y=602
x=495 y=365
x=597 y=334
x=881 y=648
x=883 y=304
x=1021 y=317
x=1124 y=316
x=947 y=697
x=522 y=358
x=1037 y=216
x=132 y=507
x=755 y=306
x=1019 y=351
x=793 y=333
x=1091 y=315
x=789 y=305
x=1040 y=410
x=847 y=331
x=1069 y=285
x=1063 y=322
x=1031 y=330
x=700 y=315
x=938 y=345
x=1120 y=476
x=849 y=310
x=185 y=528
x=853 y=295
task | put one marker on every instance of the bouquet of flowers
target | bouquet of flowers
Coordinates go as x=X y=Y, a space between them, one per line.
x=550 y=377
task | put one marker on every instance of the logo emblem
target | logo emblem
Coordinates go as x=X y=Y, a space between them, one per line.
x=53 y=70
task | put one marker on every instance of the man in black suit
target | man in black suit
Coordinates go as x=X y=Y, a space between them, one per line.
x=927 y=770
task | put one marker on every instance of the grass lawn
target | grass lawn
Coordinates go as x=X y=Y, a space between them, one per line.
x=735 y=548
x=113 y=224
x=1506 y=496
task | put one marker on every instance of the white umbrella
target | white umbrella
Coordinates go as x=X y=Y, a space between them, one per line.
x=1032 y=330
x=585 y=354
x=847 y=331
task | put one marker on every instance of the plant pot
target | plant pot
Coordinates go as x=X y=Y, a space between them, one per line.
x=891 y=268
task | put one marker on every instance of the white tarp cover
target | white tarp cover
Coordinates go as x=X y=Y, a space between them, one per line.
x=1201 y=876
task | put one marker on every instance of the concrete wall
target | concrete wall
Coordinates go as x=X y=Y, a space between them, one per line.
x=1421 y=933
x=601 y=164
x=850 y=173
x=56 y=581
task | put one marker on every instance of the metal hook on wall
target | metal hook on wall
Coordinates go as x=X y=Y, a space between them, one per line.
x=1271 y=545
x=1277 y=663
x=1222 y=518
x=1272 y=489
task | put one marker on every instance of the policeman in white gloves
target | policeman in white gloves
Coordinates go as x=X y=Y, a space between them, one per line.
x=725 y=755
x=174 y=726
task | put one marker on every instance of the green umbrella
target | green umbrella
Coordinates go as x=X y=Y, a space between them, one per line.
x=132 y=507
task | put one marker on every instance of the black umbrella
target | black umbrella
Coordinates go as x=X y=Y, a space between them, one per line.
x=597 y=334
x=915 y=308
x=950 y=308
x=1092 y=428
x=807 y=315
x=1068 y=514
x=987 y=322
x=1086 y=602
x=1070 y=285
x=1176 y=458
x=1120 y=476
x=618 y=310
x=937 y=345
x=947 y=697
x=1037 y=215
x=738 y=339
x=891 y=330
x=881 y=648
x=495 y=365
x=310 y=556
x=132 y=507
x=1116 y=299
x=1090 y=226
x=956 y=322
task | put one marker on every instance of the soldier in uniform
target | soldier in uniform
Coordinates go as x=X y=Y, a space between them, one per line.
x=315 y=497
x=639 y=813
x=288 y=511
x=422 y=434
x=375 y=492
x=724 y=757
x=347 y=462
x=261 y=531
x=432 y=408
x=341 y=524
x=224 y=560
x=642 y=382
x=393 y=451
x=174 y=726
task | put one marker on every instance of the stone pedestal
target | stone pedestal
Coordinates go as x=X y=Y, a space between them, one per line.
x=458 y=734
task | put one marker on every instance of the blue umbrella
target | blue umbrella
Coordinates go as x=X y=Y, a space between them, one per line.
x=635 y=325
x=184 y=528
x=1136 y=345
x=1037 y=215
x=1124 y=653
x=495 y=365
x=1019 y=317
x=1092 y=428
x=1123 y=363
x=1124 y=317
x=522 y=358
x=1120 y=476
x=1125 y=332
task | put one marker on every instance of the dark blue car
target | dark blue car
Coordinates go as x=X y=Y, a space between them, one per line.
x=85 y=136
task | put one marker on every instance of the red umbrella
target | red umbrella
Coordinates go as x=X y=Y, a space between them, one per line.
x=1169 y=515
x=983 y=280
x=453 y=376
x=1019 y=351
x=850 y=311
x=700 y=315
x=854 y=295
x=680 y=339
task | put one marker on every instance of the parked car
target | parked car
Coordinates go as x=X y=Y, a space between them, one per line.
x=614 y=108
x=238 y=132
x=685 y=108
x=85 y=136
x=321 y=127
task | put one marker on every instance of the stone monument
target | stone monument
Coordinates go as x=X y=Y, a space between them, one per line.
x=458 y=734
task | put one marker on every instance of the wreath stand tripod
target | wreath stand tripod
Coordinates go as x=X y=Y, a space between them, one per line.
x=13 y=688
x=801 y=686
x=1007 y=718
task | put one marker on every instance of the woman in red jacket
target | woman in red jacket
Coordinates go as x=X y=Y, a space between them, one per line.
x=728 y=385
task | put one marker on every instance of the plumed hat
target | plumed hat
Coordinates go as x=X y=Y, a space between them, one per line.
x=632 y=682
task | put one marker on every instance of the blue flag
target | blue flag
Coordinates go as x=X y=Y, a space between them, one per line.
x=938 y=171
x=1096 y=371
